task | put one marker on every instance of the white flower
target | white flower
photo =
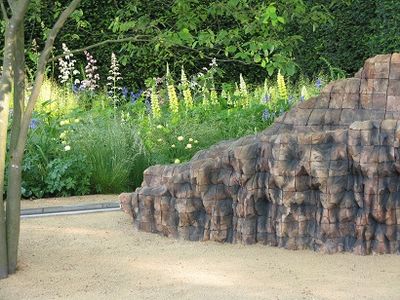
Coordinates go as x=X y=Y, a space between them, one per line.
x=173 y=146
x=188 y=146
x=177 y=161
x=77 y=120
x=180 y=138
x=159 y=126
x=196 y=141
x=159 y=140
x=190 y=140
x=63 y=135
x=67 y=148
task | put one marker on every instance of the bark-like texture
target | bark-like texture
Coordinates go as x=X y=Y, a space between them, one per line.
x=325 y=176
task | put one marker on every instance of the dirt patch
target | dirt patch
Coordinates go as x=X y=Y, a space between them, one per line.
x=101 y=256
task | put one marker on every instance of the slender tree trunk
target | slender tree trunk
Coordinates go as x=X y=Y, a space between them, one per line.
x=14 y=175
x=19 y=137
x=12 y=27
x=5 y=97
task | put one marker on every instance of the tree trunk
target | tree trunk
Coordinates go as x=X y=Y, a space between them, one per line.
x=14 y=176
x=12 y=27
x=13 y=58
x=5 y=97
x=20 y=132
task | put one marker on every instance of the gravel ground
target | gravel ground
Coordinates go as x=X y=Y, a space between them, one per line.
x=101 y=256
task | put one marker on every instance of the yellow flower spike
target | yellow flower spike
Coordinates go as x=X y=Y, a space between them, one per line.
x=282 y=86
x=237 y=95
x=304 y=93
x=173 y=98
x=155 y=106
x=229 y=101
x=243 y=92
x=265 y=89
x=205 y=98
x=213 y=96
x=187 y=94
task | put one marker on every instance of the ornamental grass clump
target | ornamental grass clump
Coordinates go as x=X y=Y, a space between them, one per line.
x=114 y=152
x=172 y=97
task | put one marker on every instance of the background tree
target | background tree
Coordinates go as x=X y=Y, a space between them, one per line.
x=13 y=81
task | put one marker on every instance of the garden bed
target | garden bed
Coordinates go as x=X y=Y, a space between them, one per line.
x=99 y=256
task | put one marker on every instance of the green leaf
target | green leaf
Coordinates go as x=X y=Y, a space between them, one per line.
x=231 y=49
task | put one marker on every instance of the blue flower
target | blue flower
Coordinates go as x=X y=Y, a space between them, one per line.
x=302 y=98
x=266 y=98
x=135 y=96
x=319 y=83
x=34 y=123
x=125 y=92
x=266 y=115
x=76 y=88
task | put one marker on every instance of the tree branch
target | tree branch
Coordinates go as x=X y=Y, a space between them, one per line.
x=44 y=57
x=109 y=41
x=4 y=11
x=11 y=31
x=229 y=60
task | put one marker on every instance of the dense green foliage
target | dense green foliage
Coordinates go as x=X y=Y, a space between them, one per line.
x=255 y=37
x=360 y=29
x=247 y=35
x=74 y=150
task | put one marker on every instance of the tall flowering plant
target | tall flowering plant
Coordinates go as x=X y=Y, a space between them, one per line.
x=244 y=94
x=187 y=94
x=282 y=90
x=173 y=98
x=113 y=78
x=92 y=77
x=155 y=105
x=66 y=66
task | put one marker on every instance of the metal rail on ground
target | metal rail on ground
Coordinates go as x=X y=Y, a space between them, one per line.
x=69 y=210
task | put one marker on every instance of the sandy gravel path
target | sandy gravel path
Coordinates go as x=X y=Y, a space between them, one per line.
x=100 y=256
